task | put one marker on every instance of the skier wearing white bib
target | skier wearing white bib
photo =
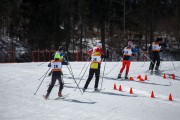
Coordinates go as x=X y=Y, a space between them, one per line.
x=96 y=58
x=56 y=66
x=63 y=55
x=155 y=49
x=128 y=52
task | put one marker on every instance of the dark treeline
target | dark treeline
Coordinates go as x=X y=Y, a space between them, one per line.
x=46 y=24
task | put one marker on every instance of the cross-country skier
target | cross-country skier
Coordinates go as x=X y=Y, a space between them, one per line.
x=61 y=53
x=128 y=52
x=57 y=73
x=97 y=55
x=155 y=49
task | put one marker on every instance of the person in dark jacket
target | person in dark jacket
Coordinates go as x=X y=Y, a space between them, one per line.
x=96 y=58
x=57 y=73
x=155 y=57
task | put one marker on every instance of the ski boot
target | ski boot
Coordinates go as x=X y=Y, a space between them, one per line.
x=157 y=72
x=59 y=94
x=151 y=72
x=96 y=90
x=46 y=96
x=126 y=76
x=119 y=76
x=84 y=89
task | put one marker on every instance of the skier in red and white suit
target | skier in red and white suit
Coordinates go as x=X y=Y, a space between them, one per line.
x=127 y=57
x=96 y=54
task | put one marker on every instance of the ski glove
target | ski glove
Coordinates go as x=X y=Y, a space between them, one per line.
x=49 y=65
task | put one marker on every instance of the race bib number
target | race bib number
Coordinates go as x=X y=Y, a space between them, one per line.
x=156 y=47
x=94 y=65
x=56 y=65
x=96 y=58
x=127 y=52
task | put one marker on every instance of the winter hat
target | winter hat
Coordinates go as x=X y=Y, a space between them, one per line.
x=96 y=49
x=60 y=48
x=130 y=43
x=57 y=56
x=159 y=39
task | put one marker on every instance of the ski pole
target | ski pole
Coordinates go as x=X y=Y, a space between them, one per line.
x=82 y=70
x=111 y=69
x=146 y=56
x=160 y=64
x=173 y=63
x=83 y=75
x=75 y=80
x=83 y=67
x=44 y=74
x=41 y=82
x=103 y=75
x=114 y=67
x=71 y=70
x=143 y=64
x=42 y=63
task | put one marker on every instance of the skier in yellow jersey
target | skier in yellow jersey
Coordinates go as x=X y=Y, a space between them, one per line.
x=96 y=58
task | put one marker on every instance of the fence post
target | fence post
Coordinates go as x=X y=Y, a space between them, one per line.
x=32 y=55
x=43 y=56
x=8 y=56
x=14 y=56
x=145 y=59
x=76 y=55
x=82 y=55
x=38 y=56
x=49 y=55
x=2 y=56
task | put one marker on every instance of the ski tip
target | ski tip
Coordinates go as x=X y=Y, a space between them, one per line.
x=62 y=97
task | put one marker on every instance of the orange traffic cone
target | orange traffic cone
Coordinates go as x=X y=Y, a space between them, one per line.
x=145 y=77
x=170 y=97
x=131 y=91
x=140 y=79
x=173 y=76
x=164 y=76
x=131 y=78
x=152 y=94
x=120 y=88
x=139 y=76
x=115 y=87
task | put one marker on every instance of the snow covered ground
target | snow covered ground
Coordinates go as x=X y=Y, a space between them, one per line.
x=19 y=81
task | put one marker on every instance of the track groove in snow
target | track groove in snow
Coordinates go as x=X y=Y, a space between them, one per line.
x=19 y=81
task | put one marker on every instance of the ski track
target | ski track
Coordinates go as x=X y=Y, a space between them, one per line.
x=19 y=81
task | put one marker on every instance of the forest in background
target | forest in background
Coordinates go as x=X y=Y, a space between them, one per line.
x=47 y=24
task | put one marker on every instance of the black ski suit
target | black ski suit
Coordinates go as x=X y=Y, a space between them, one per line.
x=155 y=57
x=97 y=54
x=56 y=75
x=91 y=73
